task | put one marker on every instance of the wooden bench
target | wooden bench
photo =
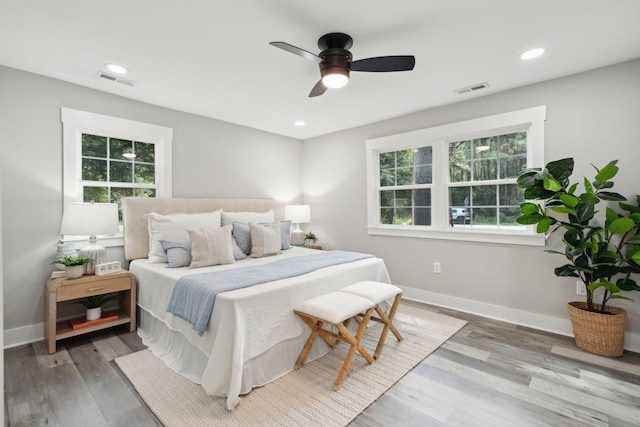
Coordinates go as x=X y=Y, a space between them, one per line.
x=335 y=309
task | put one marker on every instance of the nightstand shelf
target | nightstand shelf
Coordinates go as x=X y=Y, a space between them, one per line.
x=59 y=290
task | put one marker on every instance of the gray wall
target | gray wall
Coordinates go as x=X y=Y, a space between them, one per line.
x=210 y=158
x=593 y=117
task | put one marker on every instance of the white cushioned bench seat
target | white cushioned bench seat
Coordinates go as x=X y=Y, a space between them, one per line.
x=335 y=309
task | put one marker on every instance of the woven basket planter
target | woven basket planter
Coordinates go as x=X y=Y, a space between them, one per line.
x=598 y=333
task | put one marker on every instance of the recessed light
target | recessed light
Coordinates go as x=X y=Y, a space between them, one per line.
x=532 y=53
x=118 y=69
x=299 y=123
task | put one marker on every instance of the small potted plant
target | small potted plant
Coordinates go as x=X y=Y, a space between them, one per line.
x=94 y=304
x=73 y=266
x=603 y=251
x=310 y=239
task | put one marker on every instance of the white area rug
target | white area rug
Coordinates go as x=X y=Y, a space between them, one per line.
x=300 y=398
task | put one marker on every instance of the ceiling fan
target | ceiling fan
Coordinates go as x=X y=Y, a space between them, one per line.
x=336 y=61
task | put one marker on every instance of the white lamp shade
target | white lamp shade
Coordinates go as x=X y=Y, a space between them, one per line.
x=89 y=219
x=298 y=214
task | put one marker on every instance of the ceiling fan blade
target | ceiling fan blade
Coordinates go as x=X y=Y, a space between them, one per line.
x=297 y=51
x=318 y=89
x=383 y=64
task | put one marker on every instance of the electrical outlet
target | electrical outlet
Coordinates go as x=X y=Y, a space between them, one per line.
x=580 y=289
x=436 y=267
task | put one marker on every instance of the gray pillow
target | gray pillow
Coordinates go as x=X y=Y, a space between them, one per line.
x=178 y=252
x=242 y=235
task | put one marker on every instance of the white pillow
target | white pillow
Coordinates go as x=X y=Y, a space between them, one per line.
x=265 y=239
x=247 y=217
x=174 y=227
x=211 y=246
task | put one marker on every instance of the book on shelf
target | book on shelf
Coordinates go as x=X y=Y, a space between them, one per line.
x=83 y=323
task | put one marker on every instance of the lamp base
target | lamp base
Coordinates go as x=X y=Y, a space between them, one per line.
x=95 y=252
x=297 y=237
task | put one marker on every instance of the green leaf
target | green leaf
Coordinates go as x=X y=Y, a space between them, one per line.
x=527 y=179
x=610 y=195
x=587 y=186
x=620 y=297
x=611 y=216
x=636 y=256
x=607 y=172
x=627 y=285
x=528 y=208
x=566 y=270
x=551 y=184
x=561 y=169
x=543 y=225
x=621 y=225
x=562 y=209
x=570 y=201
x=529 y=219
x=572 y=189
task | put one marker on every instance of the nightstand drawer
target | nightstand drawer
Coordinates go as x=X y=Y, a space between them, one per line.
x=82 y=290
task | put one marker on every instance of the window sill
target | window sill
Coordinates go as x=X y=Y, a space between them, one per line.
x=468 y=235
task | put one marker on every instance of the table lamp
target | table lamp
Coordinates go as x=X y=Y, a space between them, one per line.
x=82 y=219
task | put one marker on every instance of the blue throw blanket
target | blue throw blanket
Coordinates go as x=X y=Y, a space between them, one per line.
x=194 y=295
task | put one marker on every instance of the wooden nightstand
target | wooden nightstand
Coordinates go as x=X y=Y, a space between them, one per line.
x=59 y=290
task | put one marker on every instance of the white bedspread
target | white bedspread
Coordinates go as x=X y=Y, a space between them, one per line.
x=253 y=336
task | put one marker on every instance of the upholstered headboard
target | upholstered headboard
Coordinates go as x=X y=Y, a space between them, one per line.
x=136 y=233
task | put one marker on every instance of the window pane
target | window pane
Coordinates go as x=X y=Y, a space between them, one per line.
x=119 y=147
x=403 y=216
x=484 y=170
x=485 y=147
x=484 y=195
x=144 y=192
x=508 y=216
x=484 y=216
x=511 y=167
x=94 y=170
x=423 y=175
x=459 y=196
x=387 y=178
x=120 y=172
x=403 y=197
x=510 y=194
x=118 y=193
x=459 y=151
x=95 y=194
x=386 y=216
x=94 y=146
x=145 y=174
x=422 y=216
x=145 y=152
x=423 y=156
x=387 y=160
x=514 y=144
x=422 y=197
x=404 y=158
x=460 y=171
x=386 y=198
x=405 y=176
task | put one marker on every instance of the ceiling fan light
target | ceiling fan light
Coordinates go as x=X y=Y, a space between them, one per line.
x=335 y=80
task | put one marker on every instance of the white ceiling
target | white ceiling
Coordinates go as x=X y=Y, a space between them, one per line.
x=212 y=58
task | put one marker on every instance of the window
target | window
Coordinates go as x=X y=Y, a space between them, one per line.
x=106 y=158
x=456 y=181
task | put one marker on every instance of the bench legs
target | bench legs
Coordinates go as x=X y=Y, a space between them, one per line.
x=332 y=339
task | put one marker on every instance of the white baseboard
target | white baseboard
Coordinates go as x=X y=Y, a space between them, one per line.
x=557 y=325
x=23 y=335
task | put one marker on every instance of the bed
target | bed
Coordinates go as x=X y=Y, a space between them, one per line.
x=253 y=337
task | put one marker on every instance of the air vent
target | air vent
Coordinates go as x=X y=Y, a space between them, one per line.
x=113 y=78
x=472 y=88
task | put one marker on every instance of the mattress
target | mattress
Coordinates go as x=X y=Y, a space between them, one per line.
x=253 y=336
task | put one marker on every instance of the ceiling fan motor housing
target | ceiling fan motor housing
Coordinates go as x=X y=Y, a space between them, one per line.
x=336 y=59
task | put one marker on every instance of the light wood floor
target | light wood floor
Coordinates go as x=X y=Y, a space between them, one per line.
x=490 y=373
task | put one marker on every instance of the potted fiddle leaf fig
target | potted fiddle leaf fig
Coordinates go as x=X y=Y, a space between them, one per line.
x=73 y=266
x=603 y=251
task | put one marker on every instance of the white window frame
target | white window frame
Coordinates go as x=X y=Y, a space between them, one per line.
x=76 y=122
x=530 y=120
